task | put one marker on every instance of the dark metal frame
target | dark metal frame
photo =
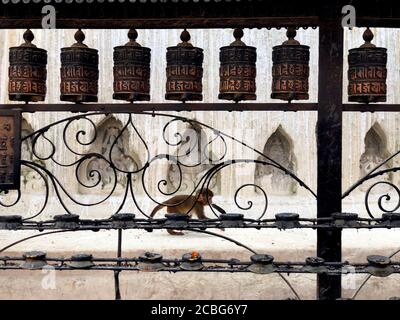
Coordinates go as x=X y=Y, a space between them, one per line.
x=325 y=15
x=16 y=115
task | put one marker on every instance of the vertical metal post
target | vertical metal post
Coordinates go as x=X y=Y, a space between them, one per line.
x=116 y=272
x=329 y=144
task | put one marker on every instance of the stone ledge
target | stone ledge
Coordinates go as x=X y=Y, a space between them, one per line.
x=284 y=245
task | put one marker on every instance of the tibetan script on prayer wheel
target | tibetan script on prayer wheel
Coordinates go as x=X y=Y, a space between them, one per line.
x=184 y=71
x=27 y=71
x=237 y=70
x=79 y=72
x=367 y=72
x=132 y=71
x=290 y=69
x=10 y=143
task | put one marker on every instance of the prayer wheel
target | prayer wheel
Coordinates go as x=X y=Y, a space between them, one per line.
x=237 y=70
x=184 y=71
x=79 y=72
x=367 y=72
x=290 y=69
x=27 y=71
x=132 y=70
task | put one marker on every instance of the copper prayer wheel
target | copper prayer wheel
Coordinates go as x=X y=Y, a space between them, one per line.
x=290 y=69
x=27 y=71
x=237 y=70
x=184 y=71
x=79 y=72
x=367 y=72
x=132 y=70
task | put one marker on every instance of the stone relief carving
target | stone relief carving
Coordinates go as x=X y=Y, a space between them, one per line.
x=30 y=179
x=375 y=152
x=192 y=151
x=278 y=147
x=108 y=130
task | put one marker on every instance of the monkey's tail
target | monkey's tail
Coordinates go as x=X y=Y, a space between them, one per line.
x=157 y=208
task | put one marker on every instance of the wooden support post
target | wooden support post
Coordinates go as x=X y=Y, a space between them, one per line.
x=329 y=142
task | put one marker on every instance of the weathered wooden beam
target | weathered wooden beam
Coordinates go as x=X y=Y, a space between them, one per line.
x=192 y=23
x=266 y=13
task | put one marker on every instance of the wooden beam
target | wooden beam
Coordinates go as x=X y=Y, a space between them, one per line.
x=192 y=23
x=254 y=14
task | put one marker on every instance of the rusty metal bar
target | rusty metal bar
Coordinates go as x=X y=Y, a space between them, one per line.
x=374 y=107
x=380 y=266
x=329 y=146
x=149 y=107
x=337 y=221
x=117 y=272
x=218 y=106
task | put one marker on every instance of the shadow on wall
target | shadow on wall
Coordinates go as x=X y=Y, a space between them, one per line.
x=279 y=147
x=196 y=157
x=375 y=152
x=96 y=173
x=31 y=181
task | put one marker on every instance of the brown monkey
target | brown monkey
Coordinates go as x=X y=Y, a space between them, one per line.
x=186 y=205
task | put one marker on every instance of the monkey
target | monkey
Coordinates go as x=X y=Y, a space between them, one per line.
x=186 y=204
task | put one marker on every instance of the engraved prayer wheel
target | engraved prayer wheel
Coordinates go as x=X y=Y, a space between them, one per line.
x=79 y=72
x=237 y=70
x=132 y=70
x=367 y=72
x=27 y=71
x=184 y=71
x=290 y=69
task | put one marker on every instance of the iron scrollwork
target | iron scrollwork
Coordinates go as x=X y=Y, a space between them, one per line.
x=76 y=138
x=380 y=170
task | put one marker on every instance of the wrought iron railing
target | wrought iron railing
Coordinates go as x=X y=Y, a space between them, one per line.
x=70 y=221
x=328 y=18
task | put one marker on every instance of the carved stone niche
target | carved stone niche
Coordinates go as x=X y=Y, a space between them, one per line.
x=375 y=152
x=123 y=158
x=279 y=147
x=197 y=157
x=30 y=179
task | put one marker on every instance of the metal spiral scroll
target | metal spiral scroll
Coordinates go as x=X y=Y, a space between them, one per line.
x=386 y=197
x=82 y=139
